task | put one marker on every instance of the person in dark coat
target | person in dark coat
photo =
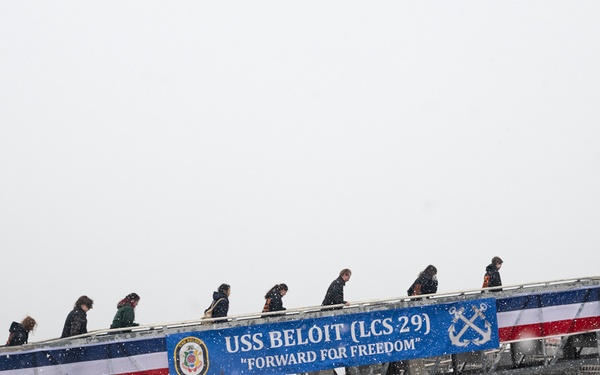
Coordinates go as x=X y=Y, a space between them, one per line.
x=273 y=298
x=335 y=292
x=220 y=302
x=426 y=282
x=492 y=275
x=125 y=315
x=19 y=332
x=76 y=322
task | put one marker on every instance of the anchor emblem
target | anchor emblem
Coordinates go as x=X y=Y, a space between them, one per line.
x=456 y=338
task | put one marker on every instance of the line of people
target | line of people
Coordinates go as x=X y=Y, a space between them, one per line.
x=76 y=321
x=426 y=283
x=219 y=306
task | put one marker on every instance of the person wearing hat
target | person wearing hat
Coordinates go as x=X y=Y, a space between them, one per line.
x=125 y=315
x=492 y=278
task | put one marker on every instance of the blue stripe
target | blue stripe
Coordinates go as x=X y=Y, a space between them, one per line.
x=534 y=301
x=40 y=358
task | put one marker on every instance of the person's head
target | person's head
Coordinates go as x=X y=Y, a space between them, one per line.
x=497 y=262
x=84 y=302
x=133 y=299
x=430 y=270
x=224 y=289
x=279 y=288
x=283 y=288
x=345 y=274
x=28 y=323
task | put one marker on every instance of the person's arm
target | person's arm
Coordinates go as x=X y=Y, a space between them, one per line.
x=486 y=281
x=497 y=281
x=337 y=294
x=128 y=317
x=277 y=304
x=222 y=308
x=267 y=306
x=117 y=319
x=417 y=290
x=77 y=324
x=328 y=300
x=19 y=338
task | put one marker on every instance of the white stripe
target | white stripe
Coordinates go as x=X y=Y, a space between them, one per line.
x=102 y=367
x=27 y=371
x=548 y=314
x=140 y=362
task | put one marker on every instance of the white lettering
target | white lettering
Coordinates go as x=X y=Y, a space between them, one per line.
x=299 y=334
x=228 y=344
x=398 y=346
x=338 y=334
x=289 y=339
x=260 y=362
x=333 y=353
x=362 y=330
x=387 y=323
x=353 y=331
x=275 y=337
x=246 y=342
x=281 y=360
x=319 y=333
x=377 y=331
x=270 y=361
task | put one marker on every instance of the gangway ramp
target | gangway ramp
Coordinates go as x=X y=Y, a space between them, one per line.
x=545 y=328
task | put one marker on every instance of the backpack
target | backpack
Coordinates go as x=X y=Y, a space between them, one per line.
x=208 y=312
x=17 y=335
x=267 y=306
x=10 y=338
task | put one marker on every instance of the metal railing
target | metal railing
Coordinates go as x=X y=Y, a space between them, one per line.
x=312 y=311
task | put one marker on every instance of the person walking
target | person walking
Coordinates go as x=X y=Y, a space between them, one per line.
x=19 y=332
x=335 y=292
x=76 y=322
x=426 y=282
x=492 y=278
x=125 y=315
x=273 y=298
x=220 y=303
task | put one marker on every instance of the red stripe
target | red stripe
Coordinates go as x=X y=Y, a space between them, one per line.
x=158 y=371
x=549 y=329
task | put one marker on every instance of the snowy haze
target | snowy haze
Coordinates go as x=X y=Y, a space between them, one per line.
x=165 y=148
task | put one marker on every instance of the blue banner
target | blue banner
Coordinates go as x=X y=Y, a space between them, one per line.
x=336 y=341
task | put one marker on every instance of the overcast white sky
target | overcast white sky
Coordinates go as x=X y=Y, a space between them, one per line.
x=168 y=147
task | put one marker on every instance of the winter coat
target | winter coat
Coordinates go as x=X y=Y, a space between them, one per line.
x=273 y=302
x=424 y=284
x=75 y=324
x=18 y=335
x=125 y=316
x=222 y=308
x=492 y=278
x=335 y=293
